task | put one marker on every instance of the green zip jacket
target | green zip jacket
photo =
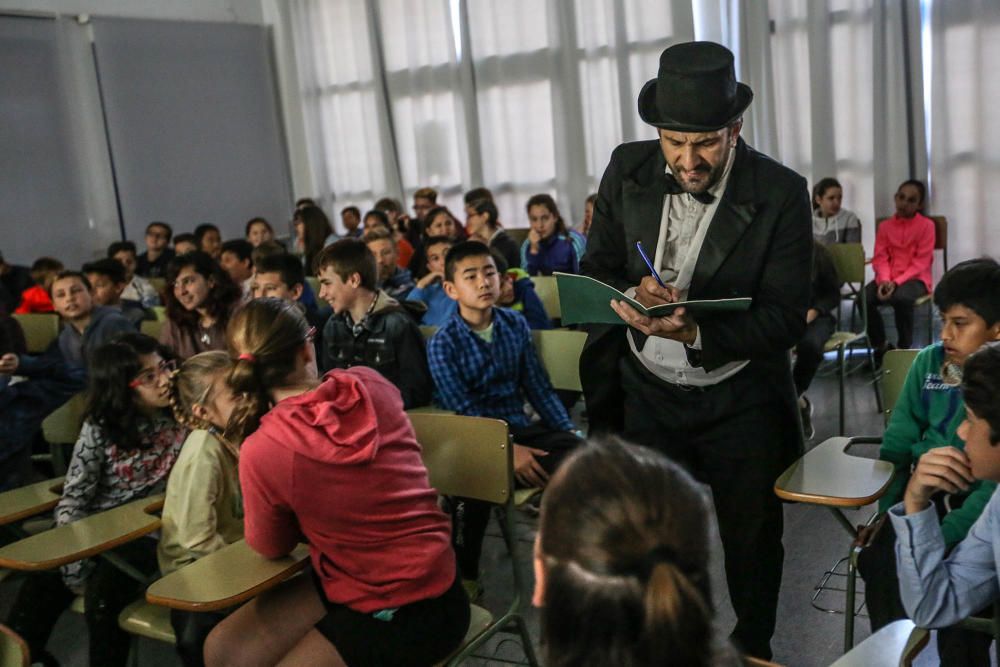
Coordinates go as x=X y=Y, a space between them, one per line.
x=926 y=416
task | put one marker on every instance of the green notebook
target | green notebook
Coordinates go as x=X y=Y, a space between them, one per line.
x=584 y=300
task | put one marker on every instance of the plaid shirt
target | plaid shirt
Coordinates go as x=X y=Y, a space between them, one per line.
x=483 y=379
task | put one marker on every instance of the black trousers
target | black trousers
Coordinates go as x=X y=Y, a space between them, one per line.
x=902 y=300
x=44 y=597
x=957 y=647
x=809 y=351
x=729 y=436
x=471 y=517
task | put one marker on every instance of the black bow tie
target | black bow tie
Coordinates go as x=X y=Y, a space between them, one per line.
x=674 y=188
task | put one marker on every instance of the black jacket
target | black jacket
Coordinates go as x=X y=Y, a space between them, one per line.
x=759 y=245
x=388 y=340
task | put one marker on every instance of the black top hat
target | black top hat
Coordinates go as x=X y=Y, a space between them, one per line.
x=695 y=90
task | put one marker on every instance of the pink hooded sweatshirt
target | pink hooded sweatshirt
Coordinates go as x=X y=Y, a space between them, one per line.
x=904 y=250
x=340 y=468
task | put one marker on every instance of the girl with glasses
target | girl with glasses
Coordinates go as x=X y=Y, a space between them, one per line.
x=127 y=446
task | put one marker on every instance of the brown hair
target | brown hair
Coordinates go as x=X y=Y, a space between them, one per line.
x=191 y=385
x=265 y=337
x=317 y=230
x=624 y=541
x=348 y=256
x=546 y=200
x=43 y=269
x=426 y=193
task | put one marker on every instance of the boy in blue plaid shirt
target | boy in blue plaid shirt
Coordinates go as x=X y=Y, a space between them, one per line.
x=484 y=364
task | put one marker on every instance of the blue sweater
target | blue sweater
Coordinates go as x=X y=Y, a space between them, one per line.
x=555 y=253
x=440 y=307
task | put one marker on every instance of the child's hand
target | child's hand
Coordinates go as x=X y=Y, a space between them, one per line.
x=9 y=363
x=527 y=469
x=429 y=278
x=940 y=469
x=534 y=238
x=886 y=289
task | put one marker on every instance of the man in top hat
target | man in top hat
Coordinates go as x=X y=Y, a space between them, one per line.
x=714 y=393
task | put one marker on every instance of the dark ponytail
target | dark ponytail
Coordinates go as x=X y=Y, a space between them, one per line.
x=264 y=337
x=624 y=543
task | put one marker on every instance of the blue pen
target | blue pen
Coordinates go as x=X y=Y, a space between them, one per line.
x=645 y=258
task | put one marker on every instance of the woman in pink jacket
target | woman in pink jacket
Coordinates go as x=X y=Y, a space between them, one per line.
x=334 y=462
x=904 y=252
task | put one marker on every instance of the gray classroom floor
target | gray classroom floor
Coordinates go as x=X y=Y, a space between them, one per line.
x=813 y=540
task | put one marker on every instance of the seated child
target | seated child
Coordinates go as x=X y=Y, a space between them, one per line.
x=203 y=511
x=549 y=247
x=831 y=223
x=940 y=588
x=185 y=243
x=820 y=325
x=368 y=327
x=208 y=239
x=284 y=285
x=927 y=416
x=904 y=252
x=127 y=445
x=334 y=463
x=258 y=230
x=107 y=280
x=517 y=292
x=237 y=260
x=484 y=364
x=14 y=279
x=137 y=289
x=376 y=218
x=429 y=289
x=483 y=224
x=37 y=298
x=393 y=280
x=621 y=563
x=153 y=263
x=201 y=298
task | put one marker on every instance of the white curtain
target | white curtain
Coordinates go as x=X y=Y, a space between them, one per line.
x=523 y=96
x=965 y=137
x=839 y=96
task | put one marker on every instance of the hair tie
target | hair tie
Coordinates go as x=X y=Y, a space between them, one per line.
x=246 y=356
x=661 y=554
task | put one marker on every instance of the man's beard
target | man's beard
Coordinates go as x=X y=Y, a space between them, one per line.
x=714 y=174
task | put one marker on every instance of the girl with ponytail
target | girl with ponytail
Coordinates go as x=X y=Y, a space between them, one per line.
x=334 y=462
x=621 y=563
x=203 y=511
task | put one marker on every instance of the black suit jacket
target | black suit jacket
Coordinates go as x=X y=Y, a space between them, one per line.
x=759 y=245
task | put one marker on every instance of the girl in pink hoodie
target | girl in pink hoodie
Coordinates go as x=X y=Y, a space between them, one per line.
x=334 y=462
x=904 y=252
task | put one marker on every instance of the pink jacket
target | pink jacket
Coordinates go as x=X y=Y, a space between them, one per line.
x=904 y=250
x=339 y=467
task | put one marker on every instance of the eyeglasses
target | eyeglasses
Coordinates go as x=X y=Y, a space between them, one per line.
x=148 y=377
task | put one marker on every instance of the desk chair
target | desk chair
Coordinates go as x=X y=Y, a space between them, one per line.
x=152 y=328
x=559 y=351
x=427 y=330
x=160 y=313
x=61 y=429
x=896 y=644
x=849 y=261
x=13 y=649
x=548 y=294
x=825 y=476
x=519 y=234
x=472 y=457
x=40 y=329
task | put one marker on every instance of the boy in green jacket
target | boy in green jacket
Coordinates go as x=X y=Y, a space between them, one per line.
x=927 y=415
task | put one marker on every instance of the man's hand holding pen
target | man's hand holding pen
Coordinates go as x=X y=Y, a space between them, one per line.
x=649 y=293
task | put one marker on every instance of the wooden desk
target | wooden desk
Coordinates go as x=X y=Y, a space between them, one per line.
x=87 y=537
x=828 y=476
x=895 y=644
x=30 y=500
x=226 y=578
